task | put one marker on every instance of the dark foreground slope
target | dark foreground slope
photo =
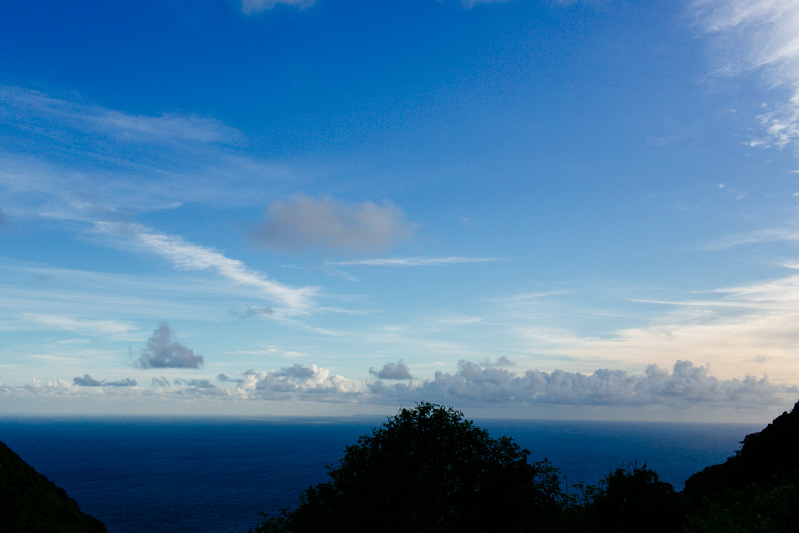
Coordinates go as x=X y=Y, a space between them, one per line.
x=430 y=469
x=757 y=489
x=29 y=502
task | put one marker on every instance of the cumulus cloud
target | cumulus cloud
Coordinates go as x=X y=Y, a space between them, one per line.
x=301 y=382
x=759 y=35
x=305 y=223
x=88 y=381
x=199 y=383
x=398 y=370
x=259 y=6
x=687 y=385
x=684 y=386
x=164 y=351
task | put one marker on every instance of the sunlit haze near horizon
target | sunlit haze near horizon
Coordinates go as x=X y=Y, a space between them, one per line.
x=524 y=209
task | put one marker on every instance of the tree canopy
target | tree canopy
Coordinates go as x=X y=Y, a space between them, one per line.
x=428 y=469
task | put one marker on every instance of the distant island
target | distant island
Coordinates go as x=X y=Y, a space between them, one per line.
x=430 y=469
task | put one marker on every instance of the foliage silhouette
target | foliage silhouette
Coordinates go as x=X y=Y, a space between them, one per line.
x=428 y=469
x=629 y=499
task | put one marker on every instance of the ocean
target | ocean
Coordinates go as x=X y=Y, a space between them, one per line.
x=216 y=475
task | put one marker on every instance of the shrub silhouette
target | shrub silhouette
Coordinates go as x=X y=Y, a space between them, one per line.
x=428 y=469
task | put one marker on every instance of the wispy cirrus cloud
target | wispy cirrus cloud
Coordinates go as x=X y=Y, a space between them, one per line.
x=755 y=237
x=40 y=114
x=304 y=223
x=83 y=326
x=759 y=35
x=416 y=261
x=259 y=6
x=70 y=159
x=730 y=328
x=185 y=255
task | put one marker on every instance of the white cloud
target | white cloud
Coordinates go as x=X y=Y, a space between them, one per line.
x=44 y=115
x=299 y=382
x=307 y=223
x=189 y=256
x=468 y=4
x=416 y=261
x=80 y=325
x=727 y=328
x=74 y=160
x=478 y=385
x=755 y=237
x=761 y=35
x=259 y=6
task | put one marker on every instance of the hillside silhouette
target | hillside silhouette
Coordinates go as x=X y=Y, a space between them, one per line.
x=429 y=469
x=29 y=502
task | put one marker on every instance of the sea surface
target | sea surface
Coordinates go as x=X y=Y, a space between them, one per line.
x=216 y=475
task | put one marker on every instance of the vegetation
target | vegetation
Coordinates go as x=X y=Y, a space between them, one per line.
x=29 y=502
x=430 y=470
x=427 y=469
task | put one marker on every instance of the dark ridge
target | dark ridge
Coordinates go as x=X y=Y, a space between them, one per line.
x=765 y=458
x=29 y=502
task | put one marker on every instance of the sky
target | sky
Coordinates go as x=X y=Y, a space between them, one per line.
x=521 y=208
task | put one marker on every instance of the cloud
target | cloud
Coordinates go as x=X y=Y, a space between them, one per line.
x=259 y=6
x=687 y=385
x=417 y=261
x=127 y=382
x=80 y=325
x=198 y=383
x=47 y=116
x=468 y=4
x=252 y=311
x=164 y=351
x=88 y=381
x=300 y=382
x=398 y=370
x=3 y=220
x=759 y=35
x=755 y=237
x=189 y=256
x=305 y=223
x=74 y=160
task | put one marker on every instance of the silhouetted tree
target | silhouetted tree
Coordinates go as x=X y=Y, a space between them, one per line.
x=428 y=469
x=629 y=499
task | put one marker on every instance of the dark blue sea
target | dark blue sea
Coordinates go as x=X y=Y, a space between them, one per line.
x=214 y=475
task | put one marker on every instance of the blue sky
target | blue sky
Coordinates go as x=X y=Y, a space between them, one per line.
x=523 y=208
